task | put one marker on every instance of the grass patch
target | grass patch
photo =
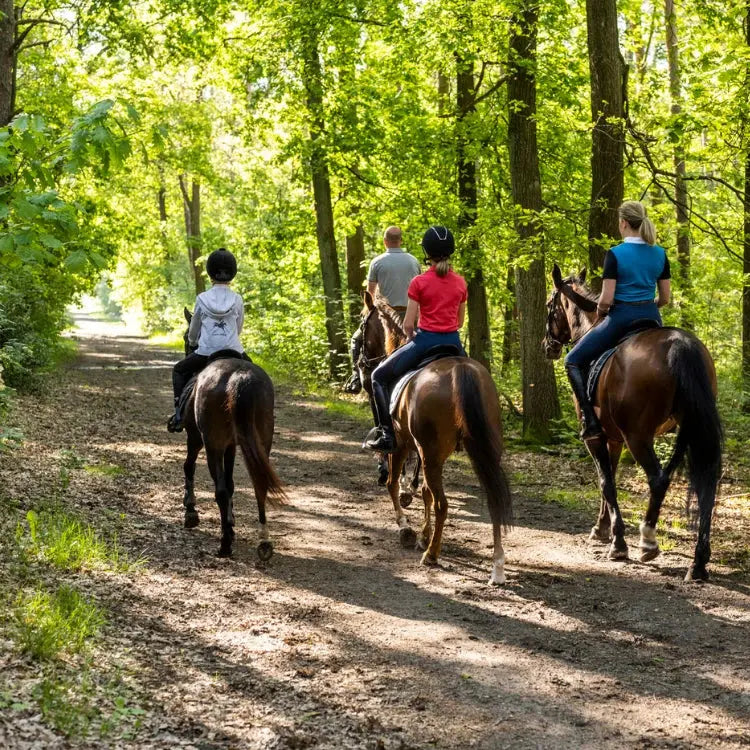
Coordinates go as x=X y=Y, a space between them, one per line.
x=104 y=470
x=54 y=536
x=172 y=341
x=357 y=410
x=577 y=499
x=46 y=625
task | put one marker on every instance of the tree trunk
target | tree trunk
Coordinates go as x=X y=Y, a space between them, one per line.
x=7 y=61
x=329 y=265
x=607 y=71
x=746 y=255
x=355 y=273
x=191 y=204
x=510 y=320
x=680 y=190
x=540 y=402
x=480 y=344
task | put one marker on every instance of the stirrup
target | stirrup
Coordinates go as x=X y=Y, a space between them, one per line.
x=354 y=384
x=380 y=439
x=174 y=424
x=591 y=431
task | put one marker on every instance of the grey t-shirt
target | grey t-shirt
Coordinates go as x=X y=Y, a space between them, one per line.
x=393 y=271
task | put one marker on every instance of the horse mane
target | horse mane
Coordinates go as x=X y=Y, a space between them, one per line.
x=394 y=330
x=581 y=288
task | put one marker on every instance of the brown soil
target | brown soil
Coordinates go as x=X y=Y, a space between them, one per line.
x=343 y=640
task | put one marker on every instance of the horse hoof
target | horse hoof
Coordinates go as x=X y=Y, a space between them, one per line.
x=265 y=550
x=696 y=575
x=192 y=519
x=404 y=499
x=407 y=537
x=649 y=553
x=596 y=535
x=429 y=560
x=617 y=554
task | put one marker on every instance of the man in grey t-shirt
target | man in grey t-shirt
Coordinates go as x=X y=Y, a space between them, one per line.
x=390 y=273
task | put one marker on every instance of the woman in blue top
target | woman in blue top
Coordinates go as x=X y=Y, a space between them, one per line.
x=631 y=272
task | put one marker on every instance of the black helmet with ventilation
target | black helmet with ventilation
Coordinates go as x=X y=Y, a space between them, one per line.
x=438 y=242
x=221 y=265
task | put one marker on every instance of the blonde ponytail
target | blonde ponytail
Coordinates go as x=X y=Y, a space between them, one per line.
x=634 y=213
x=442 y=267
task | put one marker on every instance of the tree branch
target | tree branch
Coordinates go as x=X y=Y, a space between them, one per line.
x=353 y=19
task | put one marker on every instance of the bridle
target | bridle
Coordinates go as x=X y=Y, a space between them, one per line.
x=555 y=309
x=369 y=363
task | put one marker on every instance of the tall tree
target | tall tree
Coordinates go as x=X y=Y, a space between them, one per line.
x=746 y=242
x=540 y=402
x=480 y=345
x=7 y=60
x=680 y=191
x=607 y=70
x=355 y=273
x=191 y=205
x=321 y=181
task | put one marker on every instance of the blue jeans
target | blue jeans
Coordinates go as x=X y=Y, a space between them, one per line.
x=610 y=331
x=400 y=362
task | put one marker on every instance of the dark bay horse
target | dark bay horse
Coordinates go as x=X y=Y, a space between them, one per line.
x=378 y=342
x=230 y=406
x=449 y=403
x=657 y=379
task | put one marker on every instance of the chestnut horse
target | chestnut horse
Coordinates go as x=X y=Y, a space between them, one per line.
x=449 y=403
x=658 y=378
x=231 y=405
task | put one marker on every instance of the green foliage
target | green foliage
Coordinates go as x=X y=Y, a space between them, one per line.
x=49 y=624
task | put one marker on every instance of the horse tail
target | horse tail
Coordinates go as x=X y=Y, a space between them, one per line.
x=700 y=436
x=245 y=403
x=483 y=441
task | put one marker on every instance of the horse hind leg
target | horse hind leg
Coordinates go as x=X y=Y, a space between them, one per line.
x=658 y=483
x=265 y=545
x=425 y=534
x=223 y=500
x=433 y=477
x=194 y=445
x=618 y=550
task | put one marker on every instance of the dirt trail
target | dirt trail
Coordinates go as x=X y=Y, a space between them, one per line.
x=343 y=640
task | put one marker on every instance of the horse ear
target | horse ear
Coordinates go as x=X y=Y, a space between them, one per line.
x=369 y=302
x=188 y=315
x=582 y=275
x=557 y=276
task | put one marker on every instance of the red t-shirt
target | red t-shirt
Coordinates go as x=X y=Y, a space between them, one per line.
x=439 y=299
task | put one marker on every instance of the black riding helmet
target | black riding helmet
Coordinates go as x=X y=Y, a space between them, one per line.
x=221 y=265
x=438 y=242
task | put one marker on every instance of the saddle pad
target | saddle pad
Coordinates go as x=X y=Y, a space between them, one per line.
x=437 y=352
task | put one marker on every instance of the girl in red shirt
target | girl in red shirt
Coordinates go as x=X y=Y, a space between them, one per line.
x=438 y=298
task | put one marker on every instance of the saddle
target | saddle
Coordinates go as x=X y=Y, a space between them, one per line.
x=596 y=367
x=436 y=352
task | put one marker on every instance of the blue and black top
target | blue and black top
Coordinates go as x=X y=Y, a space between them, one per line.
x=636 y=267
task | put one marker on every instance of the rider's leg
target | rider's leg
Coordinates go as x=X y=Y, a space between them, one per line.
x=594 y=343
x=181 y=374
x=382 y=438
x=354 y=384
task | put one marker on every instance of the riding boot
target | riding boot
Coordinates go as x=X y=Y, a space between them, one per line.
x=174 y=424
x=382 y=437
x=590 y=426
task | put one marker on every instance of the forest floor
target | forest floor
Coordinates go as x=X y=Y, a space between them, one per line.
x=342 y=640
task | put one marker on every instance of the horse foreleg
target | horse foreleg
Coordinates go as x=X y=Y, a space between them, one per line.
x=433 y=478
x=598 y=449
x=396 y=462
x=426 y=533
x=194 y=445
x=223 y=500
x=658 y=482
x=602 y=531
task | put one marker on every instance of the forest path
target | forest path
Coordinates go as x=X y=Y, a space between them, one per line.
x=343 y=640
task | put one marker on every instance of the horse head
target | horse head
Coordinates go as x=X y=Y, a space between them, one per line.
x=568 y=309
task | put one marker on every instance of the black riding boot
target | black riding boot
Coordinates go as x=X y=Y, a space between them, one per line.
x=382 y=437
x=174 y=424
x=590 y=426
